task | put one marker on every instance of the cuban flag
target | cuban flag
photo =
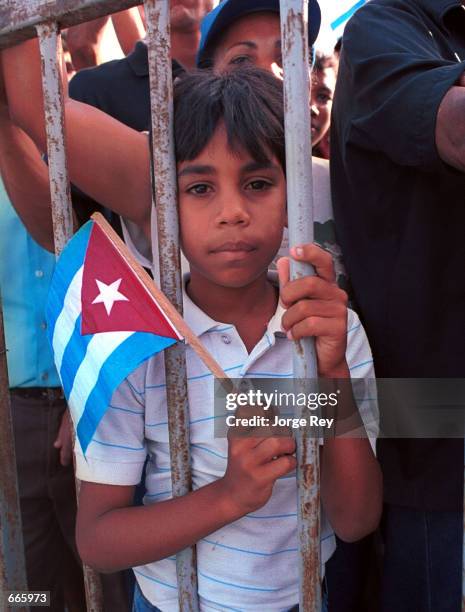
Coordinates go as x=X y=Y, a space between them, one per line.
x=102 y=323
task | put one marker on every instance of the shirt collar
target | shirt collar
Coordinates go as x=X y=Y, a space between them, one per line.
x=200 y=322
x=138 y=59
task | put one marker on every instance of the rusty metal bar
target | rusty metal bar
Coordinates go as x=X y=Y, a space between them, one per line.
x=19 y=18
x=51 y=62
x=50 y=51
x=12 y=562
x=294 y=19
x=165 y=195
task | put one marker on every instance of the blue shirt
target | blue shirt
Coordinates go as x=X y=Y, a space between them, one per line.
x=25 y=273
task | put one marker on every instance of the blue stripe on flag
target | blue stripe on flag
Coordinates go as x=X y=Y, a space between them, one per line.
x=124 y=360
x=72 y=356
x=71 y=259
x=347 y=15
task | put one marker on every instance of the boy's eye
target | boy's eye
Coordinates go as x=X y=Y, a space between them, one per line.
x=323 y=98
x=200 y=189
x=258 y=185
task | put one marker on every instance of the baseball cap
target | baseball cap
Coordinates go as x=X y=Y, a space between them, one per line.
x=229 y=11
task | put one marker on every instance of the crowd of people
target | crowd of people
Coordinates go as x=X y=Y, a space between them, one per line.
x=392 y=248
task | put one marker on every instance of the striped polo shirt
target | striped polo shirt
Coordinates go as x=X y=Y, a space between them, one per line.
x=252 y=563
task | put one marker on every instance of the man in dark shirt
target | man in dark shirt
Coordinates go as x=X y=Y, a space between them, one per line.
x=398 y=184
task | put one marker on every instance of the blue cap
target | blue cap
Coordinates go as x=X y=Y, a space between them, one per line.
x=229 y=11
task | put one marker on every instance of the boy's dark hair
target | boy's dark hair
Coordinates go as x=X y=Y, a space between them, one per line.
x=324 y=61
x=247 y=101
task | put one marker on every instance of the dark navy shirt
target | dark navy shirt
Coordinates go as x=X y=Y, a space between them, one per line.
x=400 y=216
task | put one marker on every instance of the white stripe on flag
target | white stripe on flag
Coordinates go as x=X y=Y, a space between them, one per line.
x=66 y=321
x=99 y=349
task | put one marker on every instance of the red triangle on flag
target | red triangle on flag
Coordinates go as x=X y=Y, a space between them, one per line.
x=113 y=298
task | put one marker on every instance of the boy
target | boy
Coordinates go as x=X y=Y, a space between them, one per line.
x=323 y=86
x=231 y=179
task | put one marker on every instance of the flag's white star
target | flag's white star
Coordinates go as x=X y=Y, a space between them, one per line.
x=109 y=294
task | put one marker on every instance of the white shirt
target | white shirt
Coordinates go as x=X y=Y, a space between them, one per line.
x=250 y=564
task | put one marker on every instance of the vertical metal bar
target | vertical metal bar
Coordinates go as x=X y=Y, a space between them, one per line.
x=52 y=86
x=12 y=562
x=50 y=51
x=164 y=165
x=294 y=19
x=93 y=589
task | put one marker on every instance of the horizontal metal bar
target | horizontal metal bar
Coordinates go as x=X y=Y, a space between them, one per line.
x=19 y=18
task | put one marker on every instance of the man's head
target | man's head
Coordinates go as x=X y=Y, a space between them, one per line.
x=229 y=134
x=186 y=15
x=231 y=20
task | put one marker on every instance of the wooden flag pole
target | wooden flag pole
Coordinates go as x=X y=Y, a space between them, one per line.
x=167 y=307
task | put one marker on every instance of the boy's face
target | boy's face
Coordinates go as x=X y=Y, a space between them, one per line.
x=254 y=39
x=232 y=213
x=323 y=84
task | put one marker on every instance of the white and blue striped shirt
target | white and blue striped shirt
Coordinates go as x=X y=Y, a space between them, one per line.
x=250 y=564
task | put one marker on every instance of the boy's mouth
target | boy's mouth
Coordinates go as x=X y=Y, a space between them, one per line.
x=234 y=247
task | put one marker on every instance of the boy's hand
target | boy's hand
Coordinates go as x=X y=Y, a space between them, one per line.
x=254 y=464
x=316 y=307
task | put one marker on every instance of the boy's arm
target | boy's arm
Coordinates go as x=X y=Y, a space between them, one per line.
x=112 y=535
x=350 y=474
x=106 y=159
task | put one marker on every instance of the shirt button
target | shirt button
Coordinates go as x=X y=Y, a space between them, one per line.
x=226 y=339
x=43 y=325
x=44 y=376
x=39 y=273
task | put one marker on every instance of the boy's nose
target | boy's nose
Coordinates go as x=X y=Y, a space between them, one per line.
x=233 y=212
x=314 y=110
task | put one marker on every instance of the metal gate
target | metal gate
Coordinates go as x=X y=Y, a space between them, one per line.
x=22 y=19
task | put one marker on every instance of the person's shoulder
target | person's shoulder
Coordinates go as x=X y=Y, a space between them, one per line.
x=378 y=14
x=92 y=80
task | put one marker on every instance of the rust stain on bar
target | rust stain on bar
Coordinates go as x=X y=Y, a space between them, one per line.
x=18 y=20
x=93 y=586
x=165 y=196
x=300 y=217
x=50 y=51
x=309 y=537
x=51 y=55
x=12 y=562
